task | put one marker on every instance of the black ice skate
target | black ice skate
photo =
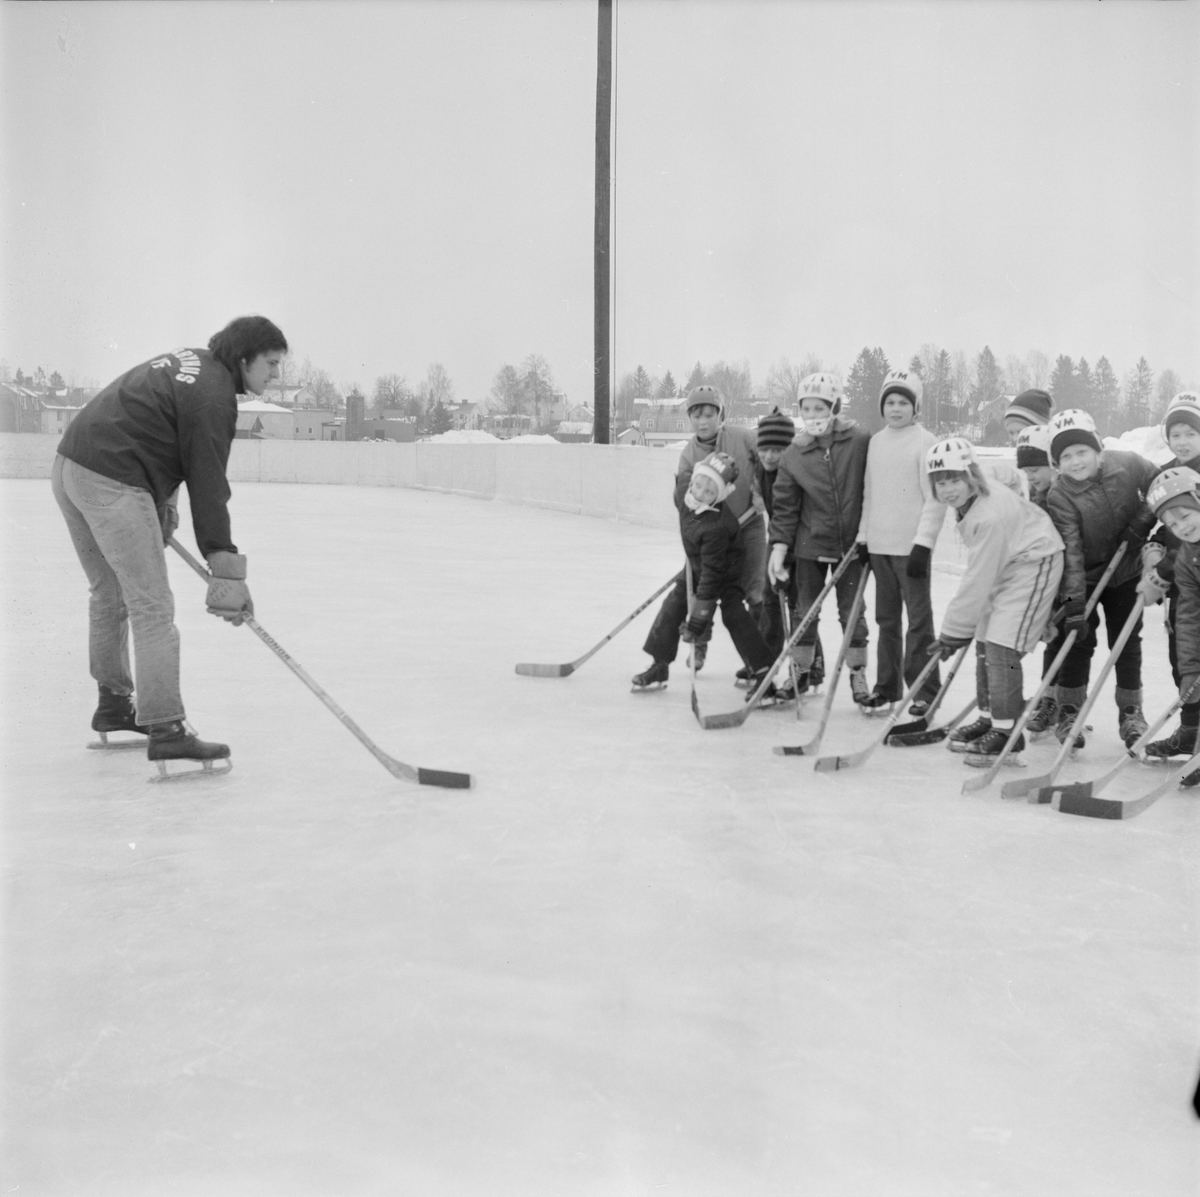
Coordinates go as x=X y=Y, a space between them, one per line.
x=177 y=742
x=1066 y=717
x=982 y=752
x=770 y=696
x=860 y=691
x=787 y=692
x=1132 y=725
x=741 y=679
x=115 y=713
x=874 y=703
x=1043 y=720
x=1181 y=742
x=961 y=739
x=654 y=678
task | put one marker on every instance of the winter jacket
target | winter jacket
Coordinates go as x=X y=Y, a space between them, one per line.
x=997 y=529
x=1094 y=516
x=710 y=540
x=741 y=444
x=818 y=492
x=167 y=421
x=1187 y=609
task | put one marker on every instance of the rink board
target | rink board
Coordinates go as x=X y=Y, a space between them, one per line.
x=638 y=958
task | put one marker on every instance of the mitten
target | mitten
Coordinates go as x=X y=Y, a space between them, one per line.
x=918 y=562
x=776 y=570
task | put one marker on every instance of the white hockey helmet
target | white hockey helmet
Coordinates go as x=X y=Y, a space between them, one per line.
x=1184 y=408
x=705 y=393
x=722 y=469
x=825 y=386
x=1179 y=482
x=1033 y=446
x=956 y=454
x=1072 y=427
x=907 y=382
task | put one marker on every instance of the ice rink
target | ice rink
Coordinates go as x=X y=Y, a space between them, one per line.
x=637 y=959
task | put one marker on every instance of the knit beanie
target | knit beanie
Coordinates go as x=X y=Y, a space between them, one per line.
x=776 y=430
x=1032 y=406
x=1183 y=409
x=1033 y=446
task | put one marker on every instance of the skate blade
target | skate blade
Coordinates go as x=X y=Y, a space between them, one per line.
x=104 y=744
x=1038 y=736
x=1014 y=760
x=648 y=689
x=207 y=769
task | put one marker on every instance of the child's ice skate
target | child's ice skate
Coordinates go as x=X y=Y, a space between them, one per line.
x=1066 y=717
x=859 y=690
x=175 y=741
x=1181 y=742
x=1043 y=720
x=961 y=739
x=983 y=751
x=115 y=713
x=875 y=703
x=654 y=678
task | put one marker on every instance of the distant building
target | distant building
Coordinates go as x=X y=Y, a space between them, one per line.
x=273 y=421
x=465 y=415
x=20 y=409
x=56 y=418
x=307 y=423
x=663 y=421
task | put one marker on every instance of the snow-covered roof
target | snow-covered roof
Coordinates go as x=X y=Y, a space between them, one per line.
x=261 y=405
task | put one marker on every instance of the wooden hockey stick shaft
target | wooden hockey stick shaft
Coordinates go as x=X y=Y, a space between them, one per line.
x=810 y=746
x=972 y=784
x=427 y=777
x=1024 y=786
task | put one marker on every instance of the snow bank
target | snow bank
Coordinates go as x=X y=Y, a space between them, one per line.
x=1146 y=441
x=462 y=436
x=533 y=438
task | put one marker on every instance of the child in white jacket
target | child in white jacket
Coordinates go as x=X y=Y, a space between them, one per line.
x=901 y=519
x=1004 y=601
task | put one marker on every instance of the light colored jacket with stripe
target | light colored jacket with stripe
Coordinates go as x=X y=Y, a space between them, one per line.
x=998 y=529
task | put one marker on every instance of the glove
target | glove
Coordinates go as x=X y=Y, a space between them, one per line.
x=864 y=554
x=699 y=621
x=1152 y=553
x=947 y=646
x=228 y=594
x=918 y=562
x=776 y=570
x=1153 y=588
x=1185 y=687
x=1074 y=617
x=168 y=517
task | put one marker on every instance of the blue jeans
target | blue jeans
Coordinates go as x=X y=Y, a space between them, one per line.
x=117 y=535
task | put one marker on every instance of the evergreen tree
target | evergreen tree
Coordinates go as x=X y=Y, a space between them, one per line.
x=666 y=388
x=1168 y=386
x=439 y=418
x=938 y=405
x=1062 y=384
x=986 y=390
x=1139 y=389
x=56 y=381
x=863 y=385
x=695 y=379
x=1083 y=384
x=917 y=366
x=1104 y=398
x=19 y=378
x=642 y=386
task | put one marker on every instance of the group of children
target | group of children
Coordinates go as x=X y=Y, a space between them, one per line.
x=1039 y=540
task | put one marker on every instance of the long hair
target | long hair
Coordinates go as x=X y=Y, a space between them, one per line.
x=976 y=479
x=243 y=339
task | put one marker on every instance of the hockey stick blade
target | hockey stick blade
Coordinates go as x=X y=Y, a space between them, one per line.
x=916 y=727
x=935 y=735
x=526 y=670
x=1114 y=808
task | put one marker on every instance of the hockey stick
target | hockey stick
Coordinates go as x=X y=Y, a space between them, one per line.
x=922 y=724
x=1023 y=786
x=831 y=764
x=1114 y=808
x=785 y=617
x=424 y=777
x=935 y=735
x=530 y=670
x=810 y=746
x=737 y=718
x=687 y=568
x=972 y=784
x=1089 y=789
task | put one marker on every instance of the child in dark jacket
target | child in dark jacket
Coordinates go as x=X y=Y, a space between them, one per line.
x=776 y=432
x=1098 y=503
x=817 y=509
x=1181 y=431
x=1174 y=497
x=710 y=539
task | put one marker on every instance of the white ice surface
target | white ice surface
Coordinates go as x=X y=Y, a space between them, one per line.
x=639 y=958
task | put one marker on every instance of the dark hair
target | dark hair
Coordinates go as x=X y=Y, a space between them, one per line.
x=243 y=339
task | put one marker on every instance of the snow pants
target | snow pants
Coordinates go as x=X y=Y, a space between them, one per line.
x=118 y=539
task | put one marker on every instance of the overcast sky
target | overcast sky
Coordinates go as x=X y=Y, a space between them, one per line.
x=397 y=183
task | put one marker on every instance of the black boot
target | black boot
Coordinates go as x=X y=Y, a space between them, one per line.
x=174 y=742
x=654 y=678
x=115 y=713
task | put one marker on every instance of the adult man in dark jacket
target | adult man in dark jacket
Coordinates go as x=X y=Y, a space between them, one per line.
x=119 y=467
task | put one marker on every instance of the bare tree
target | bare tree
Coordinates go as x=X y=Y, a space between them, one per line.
x=733 y=380
x=811 y=364
x=1168 y=386
x=506 y=390
x=783 y=383
x=437 y=387
x=1040 y=368
x=1016 y=375
x=391 y=392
